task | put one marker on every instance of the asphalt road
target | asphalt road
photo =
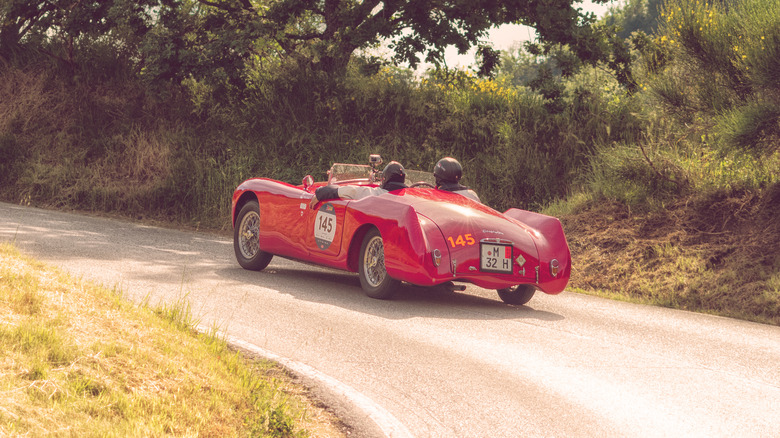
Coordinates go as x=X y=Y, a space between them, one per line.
x=436 y=364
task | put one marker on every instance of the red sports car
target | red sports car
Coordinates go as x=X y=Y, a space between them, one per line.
x=420 y=235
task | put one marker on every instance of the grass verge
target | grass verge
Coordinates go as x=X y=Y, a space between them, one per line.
x=79 y=360
x=713 y=254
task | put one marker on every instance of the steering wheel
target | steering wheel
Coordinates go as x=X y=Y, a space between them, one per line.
x=423 y=184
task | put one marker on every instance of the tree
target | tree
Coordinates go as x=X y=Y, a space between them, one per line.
x=56 y=27
x=634 y=15
x=170 y=40
x=329 y=32
x=520 y=68
x=20 y=19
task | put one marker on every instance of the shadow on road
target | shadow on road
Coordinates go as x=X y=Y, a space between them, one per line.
x=316 y=284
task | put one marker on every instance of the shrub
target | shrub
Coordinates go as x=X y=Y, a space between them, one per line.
x=724 y=71
x=627 y=174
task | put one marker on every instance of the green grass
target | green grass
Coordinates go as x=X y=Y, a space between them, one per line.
x=78 y=360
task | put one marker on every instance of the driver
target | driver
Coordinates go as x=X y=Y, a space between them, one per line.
x=448 y=173
x=393 y=178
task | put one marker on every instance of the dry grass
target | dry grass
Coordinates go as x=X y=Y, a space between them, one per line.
x=80 y=361
x=715 y=254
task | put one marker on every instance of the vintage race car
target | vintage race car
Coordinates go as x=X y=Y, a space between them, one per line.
x=419 y=235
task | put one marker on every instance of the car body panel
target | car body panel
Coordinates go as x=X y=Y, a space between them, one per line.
x=413 y=222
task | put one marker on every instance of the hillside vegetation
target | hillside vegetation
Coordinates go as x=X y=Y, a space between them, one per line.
x=666 y=179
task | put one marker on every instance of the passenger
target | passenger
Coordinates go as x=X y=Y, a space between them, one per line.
x=393 y=178
x=448 y=173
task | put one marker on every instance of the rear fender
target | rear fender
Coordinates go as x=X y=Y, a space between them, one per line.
x=434 y=240
x=408 y=248
x=353 y=255
x=406 y=253
x=404 y=247
x=550 y=241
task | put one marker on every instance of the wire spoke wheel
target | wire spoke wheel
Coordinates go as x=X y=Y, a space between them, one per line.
x=373 y=275
x=248 y=235
x=374 y=261
x=246 y=239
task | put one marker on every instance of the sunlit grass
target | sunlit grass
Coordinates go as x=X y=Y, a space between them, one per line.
x=80 y=361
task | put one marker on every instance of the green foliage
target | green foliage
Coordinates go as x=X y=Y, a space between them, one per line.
x=519 y=67
x=205 y=42
x=11 y=157
x=623 y=173
x=332 y=31
x=751 y=127
x=634 y=15
x=722 y=70
x=704 y=110
x=59 y=28
x=190 y=152
x=736 y=172
x=223 y=43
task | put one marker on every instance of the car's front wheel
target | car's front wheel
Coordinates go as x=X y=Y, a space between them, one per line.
x=246 y=239
x=373 y=275
x=517 y=295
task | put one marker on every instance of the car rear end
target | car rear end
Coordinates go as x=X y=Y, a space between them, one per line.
x=464 y=241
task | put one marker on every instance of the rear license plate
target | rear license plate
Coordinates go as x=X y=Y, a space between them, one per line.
x=495 y=257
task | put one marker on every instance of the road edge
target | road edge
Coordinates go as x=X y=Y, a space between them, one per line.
x=366 y=417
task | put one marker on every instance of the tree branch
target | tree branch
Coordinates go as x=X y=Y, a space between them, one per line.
x=245 y=5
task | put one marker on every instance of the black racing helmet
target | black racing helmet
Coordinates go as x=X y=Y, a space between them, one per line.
x=393 y=172
x=447 y=170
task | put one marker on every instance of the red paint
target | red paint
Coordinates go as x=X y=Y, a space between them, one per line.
x=413 y=222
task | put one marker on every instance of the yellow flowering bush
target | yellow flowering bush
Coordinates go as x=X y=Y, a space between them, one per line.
x=725 y=68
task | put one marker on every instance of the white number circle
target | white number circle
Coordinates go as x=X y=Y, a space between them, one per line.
x=325 y=226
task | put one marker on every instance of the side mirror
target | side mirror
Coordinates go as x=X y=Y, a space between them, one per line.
x=307 y=182
x=375 y=160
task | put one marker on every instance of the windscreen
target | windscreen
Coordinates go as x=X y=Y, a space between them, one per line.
x=415 y=176
x=348 y=172
x=361 y=173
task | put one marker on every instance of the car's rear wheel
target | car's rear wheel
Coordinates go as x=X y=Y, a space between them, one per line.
x=246 y=239
x=373 y=275
x=518 y=295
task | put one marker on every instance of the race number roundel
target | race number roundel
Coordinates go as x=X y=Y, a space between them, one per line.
x=325 y=226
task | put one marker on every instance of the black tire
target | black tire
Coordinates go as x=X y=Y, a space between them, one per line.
x=517 y=295
x=246 y=243
x=373 y=275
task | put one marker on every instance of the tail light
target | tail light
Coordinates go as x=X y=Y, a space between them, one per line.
x=436 y=254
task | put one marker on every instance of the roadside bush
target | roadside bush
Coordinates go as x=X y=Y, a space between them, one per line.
x=753 y=127
x=724 y=70
x=181 y=156
x=627 y=174
x=11 y=157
